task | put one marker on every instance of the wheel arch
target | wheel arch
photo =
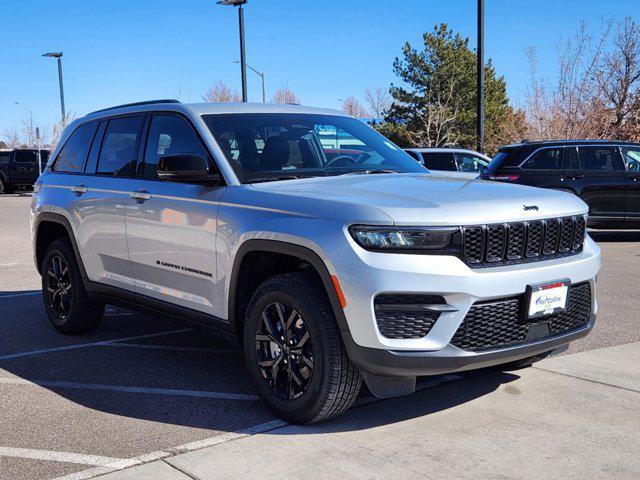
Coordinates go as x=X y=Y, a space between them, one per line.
x=278 y=247
x=50 y=226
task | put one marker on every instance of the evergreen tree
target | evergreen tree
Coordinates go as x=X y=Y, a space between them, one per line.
x=435 y=102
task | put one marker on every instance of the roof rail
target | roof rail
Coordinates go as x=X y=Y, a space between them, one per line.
x=137 y=104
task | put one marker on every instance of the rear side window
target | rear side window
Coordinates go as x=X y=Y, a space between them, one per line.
x=74 y=152
x=119 y=150
x=25 y=157
x=470 y=163
x=545 y=159
x=440 y=161
x=597 y=159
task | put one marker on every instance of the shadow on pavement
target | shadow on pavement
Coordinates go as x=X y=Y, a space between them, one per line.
x=167 y=355
x=615 y=235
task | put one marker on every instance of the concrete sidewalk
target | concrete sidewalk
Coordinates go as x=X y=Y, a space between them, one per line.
x=576 y=416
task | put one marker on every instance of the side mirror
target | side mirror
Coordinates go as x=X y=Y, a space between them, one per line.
x=187 y=168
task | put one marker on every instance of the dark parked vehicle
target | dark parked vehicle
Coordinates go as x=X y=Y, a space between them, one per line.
x=19 y=168
x=605 y=174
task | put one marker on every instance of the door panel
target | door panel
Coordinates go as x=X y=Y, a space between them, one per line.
x=171 y=226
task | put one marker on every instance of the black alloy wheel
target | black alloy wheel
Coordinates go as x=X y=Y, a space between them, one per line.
x=284 y=350
x=59 y=287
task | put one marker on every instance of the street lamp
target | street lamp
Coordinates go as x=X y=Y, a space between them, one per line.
x=243 y=63
x=264 y=98
x=480 y=77
x=58 y=56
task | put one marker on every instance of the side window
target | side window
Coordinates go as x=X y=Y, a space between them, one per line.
x=598 y=159
x=631 y=157
x=571 y=159
x=4 y=157
x=120 y=147
x=545 y=159
x=74 y=152
x=171 y=141
x=470 y=163
x=415 y=155
x=440 y=161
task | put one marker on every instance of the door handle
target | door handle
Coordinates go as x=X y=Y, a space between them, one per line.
x=79 y=189
x=140 y=195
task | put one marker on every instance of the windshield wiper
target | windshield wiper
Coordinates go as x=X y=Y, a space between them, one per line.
x=370 y=172
x=272 y=179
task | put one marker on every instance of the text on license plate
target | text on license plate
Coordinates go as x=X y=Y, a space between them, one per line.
x=548 y=299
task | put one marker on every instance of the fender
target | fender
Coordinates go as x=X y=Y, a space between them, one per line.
x=61 y=220
x=306 y=254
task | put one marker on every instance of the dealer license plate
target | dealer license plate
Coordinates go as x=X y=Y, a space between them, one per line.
x=548 y=299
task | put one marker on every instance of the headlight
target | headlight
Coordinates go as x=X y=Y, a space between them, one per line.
x=424 y=239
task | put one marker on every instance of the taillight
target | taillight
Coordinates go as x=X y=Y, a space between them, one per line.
x=503 y=178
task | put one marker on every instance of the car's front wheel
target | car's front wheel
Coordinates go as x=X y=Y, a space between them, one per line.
x=68 y=307
x=295 y=353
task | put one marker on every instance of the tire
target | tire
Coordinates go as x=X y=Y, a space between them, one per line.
x=68 y=307
x=302 y=392
x=3 y=189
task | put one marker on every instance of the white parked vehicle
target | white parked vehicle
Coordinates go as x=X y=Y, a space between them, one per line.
x=329 y=253
x=457 y=162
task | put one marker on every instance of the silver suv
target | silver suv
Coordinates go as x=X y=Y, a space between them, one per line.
x=329 y=253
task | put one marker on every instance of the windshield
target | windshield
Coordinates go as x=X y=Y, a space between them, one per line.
x=273 y=146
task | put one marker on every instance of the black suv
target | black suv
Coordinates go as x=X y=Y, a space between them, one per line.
x=19 y=168
x=605 y=174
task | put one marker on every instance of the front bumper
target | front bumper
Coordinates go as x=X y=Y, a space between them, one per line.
x=390 y=363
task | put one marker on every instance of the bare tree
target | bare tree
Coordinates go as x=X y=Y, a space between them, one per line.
x=619 y=78
x=378 y=101
x=351 y=106
x=436 y=119
x=285 y=95
x=221 y=93
x=24 y=136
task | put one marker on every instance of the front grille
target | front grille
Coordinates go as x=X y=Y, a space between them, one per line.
x=508 y=243
x=498 y=323
x=399 y=316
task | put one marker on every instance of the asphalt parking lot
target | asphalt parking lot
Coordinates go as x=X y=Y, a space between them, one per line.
x=143 y=387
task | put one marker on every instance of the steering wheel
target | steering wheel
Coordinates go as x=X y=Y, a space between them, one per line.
x=341 y=158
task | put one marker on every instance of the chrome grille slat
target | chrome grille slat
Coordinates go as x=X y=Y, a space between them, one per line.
x=536 y=240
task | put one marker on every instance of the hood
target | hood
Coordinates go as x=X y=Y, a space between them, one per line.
x=425 y=199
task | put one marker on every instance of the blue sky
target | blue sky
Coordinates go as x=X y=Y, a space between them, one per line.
x=120 y=51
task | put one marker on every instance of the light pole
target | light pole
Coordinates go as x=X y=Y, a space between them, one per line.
x=264 y=98
x=243 y=63
x=58 y=56
x=30 y=122
x=480 y=75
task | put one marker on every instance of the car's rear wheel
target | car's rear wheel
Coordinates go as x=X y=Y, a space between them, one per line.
x=68 y=307
x=2 y=187
x=295 y=353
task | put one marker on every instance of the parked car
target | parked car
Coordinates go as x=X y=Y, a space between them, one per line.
x=467 y=163
x=328 y=272
x=19 y=168
x=605 y=174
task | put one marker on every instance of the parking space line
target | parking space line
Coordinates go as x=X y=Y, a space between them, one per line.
x=145 y=346
x=91 y=344
x=23 y=294
x=129 y=389
x=66 y=457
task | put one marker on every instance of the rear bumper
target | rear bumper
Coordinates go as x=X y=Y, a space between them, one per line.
x=390 y=363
